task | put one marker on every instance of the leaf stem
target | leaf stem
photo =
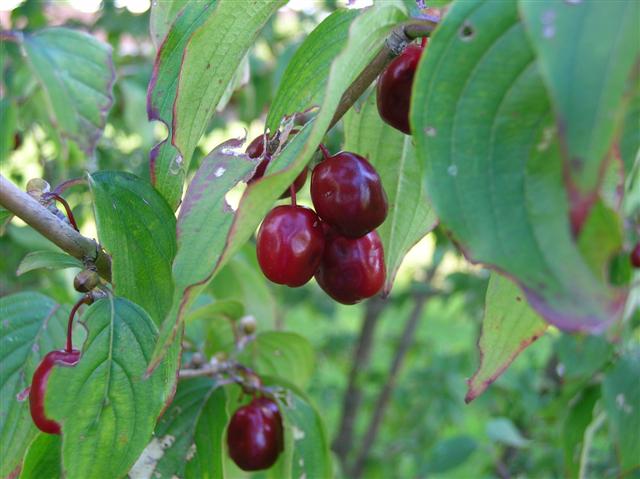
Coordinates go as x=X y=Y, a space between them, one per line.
x=67 y=209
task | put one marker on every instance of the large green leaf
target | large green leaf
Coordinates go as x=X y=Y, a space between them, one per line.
x=508 y=327
x=410 y=215
x=162 y=17
x=165 y=163
x=485 y=131
x=48 y=260
x=210 y=60
x=76 y=73
x=188 y=438
x=137 y=227
x=43 y=459
x=621 y=395
x=32 y=325
x=107 y=409
x=288 y=356
x=366 y=37
x=588 y=77
x=306 y=75
x=578 y=418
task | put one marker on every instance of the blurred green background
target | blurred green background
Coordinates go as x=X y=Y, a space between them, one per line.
x=526 y=425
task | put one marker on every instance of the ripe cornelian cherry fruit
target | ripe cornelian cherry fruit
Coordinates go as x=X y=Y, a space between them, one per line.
x=634 y=257
x=348 y=195
x=255 y=435
x=39 y=387
x=394 y=88
x=255 y=150
x=290 y=244
x=352 y=269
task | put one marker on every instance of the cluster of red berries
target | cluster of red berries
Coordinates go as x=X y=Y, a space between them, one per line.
x=255 y=436
x=337 y=243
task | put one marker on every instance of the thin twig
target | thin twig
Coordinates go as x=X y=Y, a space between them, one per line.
x=49 y=225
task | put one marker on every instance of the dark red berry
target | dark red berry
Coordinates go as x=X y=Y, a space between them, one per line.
x=255 y=150
x=269 y=406
x=394 y=88
x=39 y=387
x=347 y=193
x=254 y=436
x=352 y=269
x=290 y=244
x=634 y=257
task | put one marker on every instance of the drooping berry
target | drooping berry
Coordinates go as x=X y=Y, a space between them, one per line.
x=347 y=193
x=255 y=435
x=39 y=387
x=394 y=88
x=634 y=257
x=86 y=280
x=352 y=269
x=255 y=150
x=290 y=244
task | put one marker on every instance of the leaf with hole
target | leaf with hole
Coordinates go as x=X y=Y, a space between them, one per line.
x=485 y=131
x=32 y=325
x=119 y=406
x=76 y=74
x=392 y=153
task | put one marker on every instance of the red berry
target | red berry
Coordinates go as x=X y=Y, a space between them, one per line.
x=394 y=88
x=290 y=245
x=352 y=269
x=255 y=150
x=347 y=193
x=254 y=435
x=634 y=257
x=39 y=387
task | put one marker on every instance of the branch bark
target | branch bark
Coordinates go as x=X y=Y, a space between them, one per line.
x=353 y=394
x=383 y=400
x=46 y=223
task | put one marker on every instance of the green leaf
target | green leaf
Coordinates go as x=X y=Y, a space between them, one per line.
x=210 y=60
x=76 y=73
x=450 y=453
x=165 y=167
x=162 y=17
x=43 y=459
x=485 y=131
x=621 y=395
x=586 y=75
x=31 y=325
x=137 y=227
x=502 y=430
x=227 y=308
x=195 y=266
x=392 y=153
x=8 y=127
x=119 y=407
x=581 y=357
x=630 y=137
x=579 y=416
x=189 y=431
x=306 y=76
x=5 y=218
x=509 y=326
x=288 y=356
x=48 y=260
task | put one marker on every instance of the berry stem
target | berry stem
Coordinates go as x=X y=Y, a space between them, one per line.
x=423 y=42
x=325 y=151
x=64 y=203
x=292 y=190
x=86 y=299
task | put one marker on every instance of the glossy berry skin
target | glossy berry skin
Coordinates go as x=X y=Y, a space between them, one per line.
x=39 y=387
x=634 y=257
x=290 y=244
x=255 y=150
x=394 y=88
x=352 y=269
x=347 y=194
x=254 y=435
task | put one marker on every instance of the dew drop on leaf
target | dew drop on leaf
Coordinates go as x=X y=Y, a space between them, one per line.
x=176 y=165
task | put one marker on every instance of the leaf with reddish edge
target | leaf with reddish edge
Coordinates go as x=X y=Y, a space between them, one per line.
x=367 y=35
x=485 y=130
x=508 y=327
x=204 y=219
x=164 y=166
x=588 y=77
x=210 y=60
x=162 y=16
x=393 y=155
